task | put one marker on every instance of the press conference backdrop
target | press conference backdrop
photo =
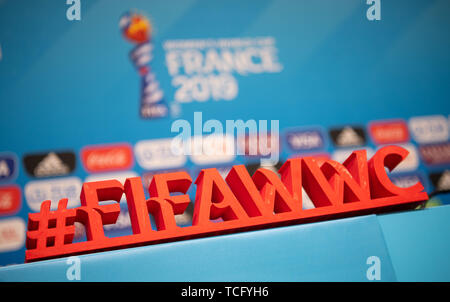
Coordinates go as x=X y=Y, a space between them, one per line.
x=89 y=99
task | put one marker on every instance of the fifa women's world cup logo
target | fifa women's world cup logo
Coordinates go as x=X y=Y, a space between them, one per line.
x=137 y=29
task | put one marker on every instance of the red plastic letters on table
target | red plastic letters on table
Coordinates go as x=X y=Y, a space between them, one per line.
x=242 y=201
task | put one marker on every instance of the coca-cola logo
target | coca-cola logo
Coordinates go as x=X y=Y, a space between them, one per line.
x=10 y=200
x=389 y=132
x=107 y=158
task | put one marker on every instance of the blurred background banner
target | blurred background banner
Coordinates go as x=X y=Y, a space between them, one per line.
x=96 y=98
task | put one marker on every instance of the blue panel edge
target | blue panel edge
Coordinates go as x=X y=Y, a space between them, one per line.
x=418 y=243
x=335 y=250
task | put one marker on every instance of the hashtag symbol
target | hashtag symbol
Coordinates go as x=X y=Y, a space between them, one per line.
x=51 y=228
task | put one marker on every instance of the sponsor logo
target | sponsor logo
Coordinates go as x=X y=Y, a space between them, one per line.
x=10 y=200
x=120 y=176
x=8 y=167
x=12 y=234
x=305 y=140
x=49 y=164
x=107 y=158
x=158 y=154
x=429 y=129
x=38 y=191
x=389 y=132
x=441 y=180
x=348 y=136
x=407 y=180
x=436 y=154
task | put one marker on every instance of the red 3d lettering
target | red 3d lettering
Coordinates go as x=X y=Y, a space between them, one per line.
x=240 y=202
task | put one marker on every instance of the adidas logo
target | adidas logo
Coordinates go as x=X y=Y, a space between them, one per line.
x=348 y=137
x=51 y=165
x=305 y=140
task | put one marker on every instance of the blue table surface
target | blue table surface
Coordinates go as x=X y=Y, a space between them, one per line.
x=411 y=246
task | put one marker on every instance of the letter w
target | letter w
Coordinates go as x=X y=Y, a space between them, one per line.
x=332 y=183
x=263 y=194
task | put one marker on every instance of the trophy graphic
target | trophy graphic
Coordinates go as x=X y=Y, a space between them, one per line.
x=137 y=29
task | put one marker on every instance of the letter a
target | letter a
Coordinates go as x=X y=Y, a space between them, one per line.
x=74 y=270
x=374 y=12
x=214 y=199
x=374 y=271
x=73 y=12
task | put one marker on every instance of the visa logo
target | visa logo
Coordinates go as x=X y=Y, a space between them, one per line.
x=305 y=140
